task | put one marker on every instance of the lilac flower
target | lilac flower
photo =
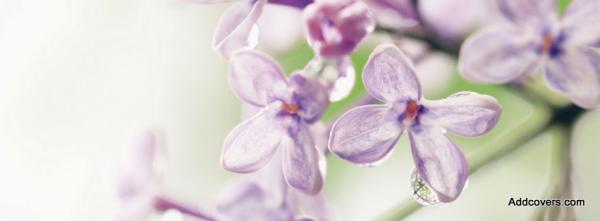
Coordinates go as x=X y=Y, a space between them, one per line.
x=138 y=181
x=367 y=134
x=139 y=184
x=334 y=28
x=266 y=196
x=396 y=14
x=237 y=27
x=288 y=108
x=534 y=37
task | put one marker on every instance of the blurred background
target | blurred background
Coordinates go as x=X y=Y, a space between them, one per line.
x=79 y=80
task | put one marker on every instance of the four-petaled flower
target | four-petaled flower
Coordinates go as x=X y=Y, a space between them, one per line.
x=535 y=37
x=288 y=107
x=335 y=27
x=367 y=134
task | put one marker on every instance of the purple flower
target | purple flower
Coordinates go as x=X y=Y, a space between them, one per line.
x=138 y=181
x=288 y=108
x=367 y=134
x=334 y=28
x=237 y=27
x=534 y=37
x=397 y=14
x=139 y=184
x=266 y=196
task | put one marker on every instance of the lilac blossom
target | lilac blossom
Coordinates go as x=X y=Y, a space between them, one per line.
x=396 y=14
x=266 y=196
x=336 y=75
x=139 y=184
x=335 y=27
x=367 y=134
x=534 y=37
x=288 y=107
x=237 y=27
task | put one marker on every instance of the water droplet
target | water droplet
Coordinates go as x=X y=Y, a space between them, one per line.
x=420 y=191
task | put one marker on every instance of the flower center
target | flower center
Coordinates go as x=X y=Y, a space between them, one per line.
x=412 y=110
x=547 y=43
x=291 y=108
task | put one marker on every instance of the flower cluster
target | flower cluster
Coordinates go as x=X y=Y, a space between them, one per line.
x=533 y=37
x=283 y=142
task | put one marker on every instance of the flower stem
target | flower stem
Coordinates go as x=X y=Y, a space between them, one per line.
x=163 y=203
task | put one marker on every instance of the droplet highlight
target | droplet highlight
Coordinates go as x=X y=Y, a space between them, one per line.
x=421 y=191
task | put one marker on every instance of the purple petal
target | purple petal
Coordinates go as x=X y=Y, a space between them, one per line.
x=235 y=27
x=137 y=172
x=439 y=161
x=301 y=160
x=576 y=75
x=389 y=75
x=311 y=207
x=397 y=14
x=256 y=78
x=528 y=12
x=365 y=135
x=245 y=200
x=498 y=55
x=138 y=208
x=250 y=145
x=334 y=28
x=580 y=23
x=310 y=96
x=292 y=3
x=464 y=113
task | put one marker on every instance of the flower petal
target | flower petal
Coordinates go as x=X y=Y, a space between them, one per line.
x=576 y=75
x=498 y=55
x=251 y=144
x=292 y=3
x=580 y=22
x=256 y=78
x=528 y=12
x=439 y=161
x=235 y=27
x=464 y=113
x=310 y=96
x=364 y=135
x=301 y=160
x=136 y=172
x=389 y=75
x=396 y=14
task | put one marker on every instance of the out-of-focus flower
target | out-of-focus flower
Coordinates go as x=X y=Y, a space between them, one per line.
x=237 y=27
x=138 y=180
x=534 y=37
x=366 y=135
x=335 y=27
x=139 y=184
x=396 y=14
x=288 y=107
x=266 y=196
x=465 y=17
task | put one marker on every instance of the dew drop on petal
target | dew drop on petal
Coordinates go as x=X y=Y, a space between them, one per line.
x=343 y=85
x=420 y=191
